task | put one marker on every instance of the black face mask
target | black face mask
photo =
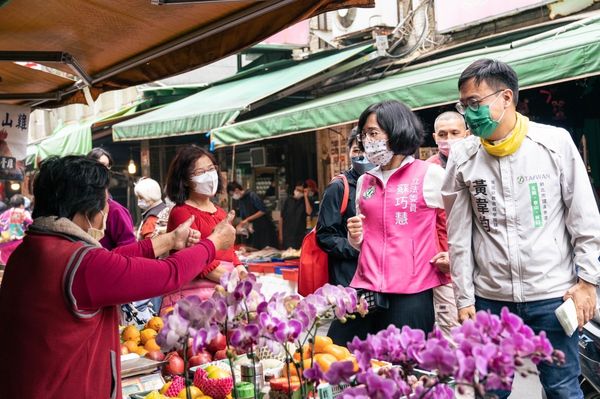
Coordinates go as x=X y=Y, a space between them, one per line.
x=361 y=165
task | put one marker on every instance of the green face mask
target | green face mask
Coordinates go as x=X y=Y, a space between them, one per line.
x=480 y=122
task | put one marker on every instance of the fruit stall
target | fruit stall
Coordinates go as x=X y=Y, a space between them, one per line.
x=242 y=344
x=277 y=270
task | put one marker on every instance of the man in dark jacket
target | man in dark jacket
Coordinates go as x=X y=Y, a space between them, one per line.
x=332 y=234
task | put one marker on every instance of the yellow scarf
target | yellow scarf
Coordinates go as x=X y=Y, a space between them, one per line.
x=510 y=144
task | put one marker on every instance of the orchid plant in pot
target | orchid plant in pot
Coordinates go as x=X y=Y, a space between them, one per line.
x=483 y=354
x=283 y=323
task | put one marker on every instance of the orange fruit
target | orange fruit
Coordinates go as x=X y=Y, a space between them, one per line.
x=195 y=393
x=147 y=335
x=151 y=345
x=305 y=353
x=321 y=342
x=141 y=351
x=324 y=360
x=294 y=371
x=340 y=352
x=354 y=362
x=130 y=333
x=131 y=346
x=155 y=323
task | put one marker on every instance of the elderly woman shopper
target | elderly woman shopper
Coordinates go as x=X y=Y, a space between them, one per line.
x=60 y=289
x=155 y=212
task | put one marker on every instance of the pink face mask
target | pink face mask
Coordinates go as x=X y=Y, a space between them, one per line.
x=444 y=147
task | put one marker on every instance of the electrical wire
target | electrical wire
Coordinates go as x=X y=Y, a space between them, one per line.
x=421 y=36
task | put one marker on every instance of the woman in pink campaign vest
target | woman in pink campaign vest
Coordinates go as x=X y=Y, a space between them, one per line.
x=395 y=226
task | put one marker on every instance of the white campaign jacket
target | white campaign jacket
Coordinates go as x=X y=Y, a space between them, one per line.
x=521 y=227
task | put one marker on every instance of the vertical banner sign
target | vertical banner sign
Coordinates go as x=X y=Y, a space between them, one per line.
x=14 y=126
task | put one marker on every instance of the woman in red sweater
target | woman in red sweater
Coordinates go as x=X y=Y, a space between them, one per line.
x=192 y=181
x=59 y=295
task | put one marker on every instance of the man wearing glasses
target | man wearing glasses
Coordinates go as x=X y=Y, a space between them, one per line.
x=522 y=221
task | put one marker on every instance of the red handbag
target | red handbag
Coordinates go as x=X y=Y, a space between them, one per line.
x=313 y=271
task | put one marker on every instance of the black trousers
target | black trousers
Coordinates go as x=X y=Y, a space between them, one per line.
x=413 y=310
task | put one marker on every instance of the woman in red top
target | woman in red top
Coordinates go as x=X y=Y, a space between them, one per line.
x=61 y=290
x=192 y=181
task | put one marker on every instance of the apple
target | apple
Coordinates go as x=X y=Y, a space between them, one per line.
x=174 y=364
x=220 y=355
x=202 y=357
x=190 y=353
x=124 y=349
x=156 y=355
x=217 y=344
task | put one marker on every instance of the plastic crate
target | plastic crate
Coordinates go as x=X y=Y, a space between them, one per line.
x=327 y=391
x=290 y=275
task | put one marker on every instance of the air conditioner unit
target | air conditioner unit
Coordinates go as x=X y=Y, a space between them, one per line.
x=350 y=20
x=258 y=157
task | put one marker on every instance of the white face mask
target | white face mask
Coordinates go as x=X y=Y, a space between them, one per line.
x=236 y=196
x=206 y=183
x=377 y=152
x=97 y=234
x=298 y=194
x=142 y=204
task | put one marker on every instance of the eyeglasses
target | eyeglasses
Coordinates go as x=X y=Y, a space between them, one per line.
x=199 y=172
x=370 y=135
x=472 y=103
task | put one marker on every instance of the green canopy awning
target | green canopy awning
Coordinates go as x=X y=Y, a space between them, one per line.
x=73 y=139
x=221 y=103
x=569 y=52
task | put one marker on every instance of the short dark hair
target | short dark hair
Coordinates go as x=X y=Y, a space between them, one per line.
x=352 y=137
x=496 y=74
x=181 y=169
x=232 y=186
x=66 y=186
x=98 y=152
x=16 y=201
x=403 y=127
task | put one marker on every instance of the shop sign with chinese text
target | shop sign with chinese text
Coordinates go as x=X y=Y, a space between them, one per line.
x=14 y=125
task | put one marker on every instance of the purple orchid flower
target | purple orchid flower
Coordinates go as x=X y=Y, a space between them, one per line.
x=203 y=337
x=315 y=373
x=378 y=386
x=339 y=372
x=288 y=331
x=437 y=357
x=245 y=337
x=359 y=392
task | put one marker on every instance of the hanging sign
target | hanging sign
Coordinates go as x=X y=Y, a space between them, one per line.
x=14 y=131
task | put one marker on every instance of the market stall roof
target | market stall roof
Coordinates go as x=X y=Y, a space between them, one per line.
x=566 y=53
x=223 y=102
x=72 y=139
x=115 y=44
x=76 y=138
